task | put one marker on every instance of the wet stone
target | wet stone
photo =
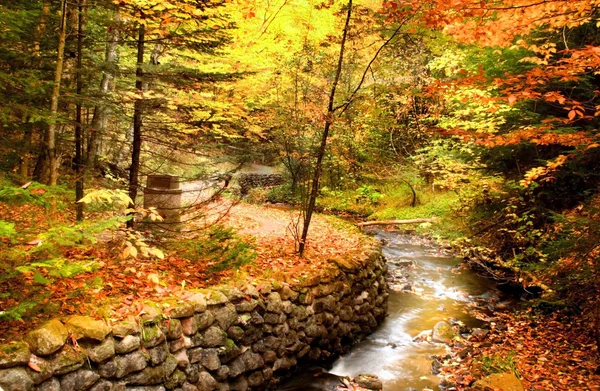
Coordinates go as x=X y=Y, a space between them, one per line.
x=47 y=339
x=79 y=380
x=128 y=344
x=14 y=354
x=443 y=332
x=368 y=381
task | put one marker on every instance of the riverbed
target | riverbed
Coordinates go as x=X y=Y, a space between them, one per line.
x=427 y=285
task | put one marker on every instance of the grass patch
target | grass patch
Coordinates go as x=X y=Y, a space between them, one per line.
x=497 y=364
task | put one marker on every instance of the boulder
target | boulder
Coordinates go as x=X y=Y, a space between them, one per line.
x=86 y=327
x=48 y=338
x=368 y=381
x=443 y=332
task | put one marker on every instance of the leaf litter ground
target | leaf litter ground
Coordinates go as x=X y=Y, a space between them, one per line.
x=118 y=286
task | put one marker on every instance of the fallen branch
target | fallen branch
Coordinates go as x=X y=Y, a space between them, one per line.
x=395 y=222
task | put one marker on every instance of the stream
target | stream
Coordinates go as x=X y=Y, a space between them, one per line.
x=427 y=285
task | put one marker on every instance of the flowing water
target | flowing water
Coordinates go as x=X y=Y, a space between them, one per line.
x=426 y=286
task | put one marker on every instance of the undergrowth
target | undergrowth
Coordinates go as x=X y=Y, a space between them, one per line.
x=218 y=248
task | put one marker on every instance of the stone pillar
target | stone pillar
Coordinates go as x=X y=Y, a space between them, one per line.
x=163 y=193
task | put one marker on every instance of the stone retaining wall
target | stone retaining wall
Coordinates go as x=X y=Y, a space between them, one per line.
x=248 y=181
x=225 y=338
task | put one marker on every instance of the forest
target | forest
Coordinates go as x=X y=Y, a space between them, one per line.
x=471 y=122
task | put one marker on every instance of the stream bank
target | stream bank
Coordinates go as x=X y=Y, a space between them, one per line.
x=430 y=314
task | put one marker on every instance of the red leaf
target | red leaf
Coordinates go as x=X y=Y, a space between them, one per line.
x=34 y=366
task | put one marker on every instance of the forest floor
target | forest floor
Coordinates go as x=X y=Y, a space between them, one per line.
x=113 y=286
x=548 y=352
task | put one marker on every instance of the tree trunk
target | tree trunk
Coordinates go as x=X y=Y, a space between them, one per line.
x=28 y=136
x=50 y=163
x=321 y=153
x=398 y=222
x=134 y=170
x=78 y=117
x=101 y=111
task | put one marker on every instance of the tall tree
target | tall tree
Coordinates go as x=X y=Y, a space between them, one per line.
x=329 y=117
x=79 y=169
x=49 y=154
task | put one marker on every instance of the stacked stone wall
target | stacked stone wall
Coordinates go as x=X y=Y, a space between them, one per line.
x=247 y=181
x=226 y=338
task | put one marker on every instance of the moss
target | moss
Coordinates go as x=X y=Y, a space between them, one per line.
x=8 y=349
x=149 y=333
x=229 y=344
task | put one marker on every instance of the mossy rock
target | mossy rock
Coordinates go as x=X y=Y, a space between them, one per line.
x=14 y=354
x=443 y=332
x=48 y=338
x=86 y=327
